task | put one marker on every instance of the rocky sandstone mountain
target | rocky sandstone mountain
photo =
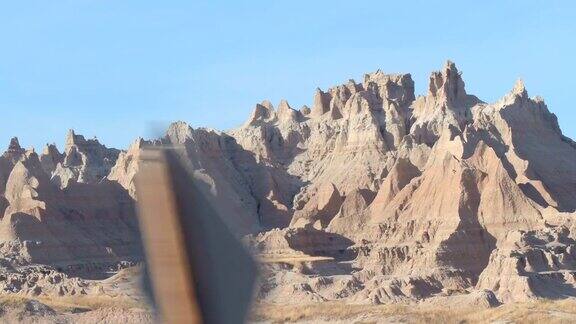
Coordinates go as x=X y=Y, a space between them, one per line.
x=399 y=198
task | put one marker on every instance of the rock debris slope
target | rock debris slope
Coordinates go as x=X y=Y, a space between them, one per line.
x=402 y=197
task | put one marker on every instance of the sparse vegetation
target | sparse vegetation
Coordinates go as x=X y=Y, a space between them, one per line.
x=561 y=311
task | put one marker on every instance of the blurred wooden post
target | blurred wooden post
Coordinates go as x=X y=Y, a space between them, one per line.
x=167 y=261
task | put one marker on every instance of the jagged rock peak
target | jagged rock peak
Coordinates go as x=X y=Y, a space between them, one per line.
x=353 y=86
x=85 y=161
x=72 y=139
x=447 y=84
x=24 y=182
x=397 y=87
x=380 y=77
x=285 y=112
x=14 y=146
x=519 y=88
x=374 y=75
x=179 y=131
x=178 y=125
x=50 y=158
x=267 y=104
x=321 y=103
x=261 y=112
x=50 y=149
x=79 y=142
x=283 y=105
x=139 y=143
x=518 y=93
x=14 y=151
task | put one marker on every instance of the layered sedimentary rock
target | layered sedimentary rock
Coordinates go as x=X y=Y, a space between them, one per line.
x=396 y=197
x=81 y=223
x=429 y=189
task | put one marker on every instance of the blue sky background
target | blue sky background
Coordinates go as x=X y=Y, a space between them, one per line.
x=121 y=69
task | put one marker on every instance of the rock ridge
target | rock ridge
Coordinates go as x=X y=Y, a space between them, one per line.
x=408 y=197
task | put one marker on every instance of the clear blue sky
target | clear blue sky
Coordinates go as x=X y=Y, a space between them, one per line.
x=119 y=69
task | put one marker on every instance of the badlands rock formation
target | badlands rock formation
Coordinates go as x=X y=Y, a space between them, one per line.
x=57 y=211
x=438 y=194
x=398 y=197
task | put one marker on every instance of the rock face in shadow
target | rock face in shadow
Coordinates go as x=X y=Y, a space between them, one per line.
x=82 y=223
x=411 y=197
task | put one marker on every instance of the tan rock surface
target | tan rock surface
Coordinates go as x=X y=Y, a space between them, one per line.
x=446 y=178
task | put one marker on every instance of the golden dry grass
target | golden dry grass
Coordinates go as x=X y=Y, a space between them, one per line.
x=80 y=310
x=291 y=258
x=78 y=302
x=94 y=302
x=541 y=311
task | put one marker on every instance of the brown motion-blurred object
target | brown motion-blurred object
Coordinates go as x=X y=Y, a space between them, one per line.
x=198 y=271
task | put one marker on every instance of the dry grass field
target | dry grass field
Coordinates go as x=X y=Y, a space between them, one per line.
x=542 y=311
x=87 y=309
